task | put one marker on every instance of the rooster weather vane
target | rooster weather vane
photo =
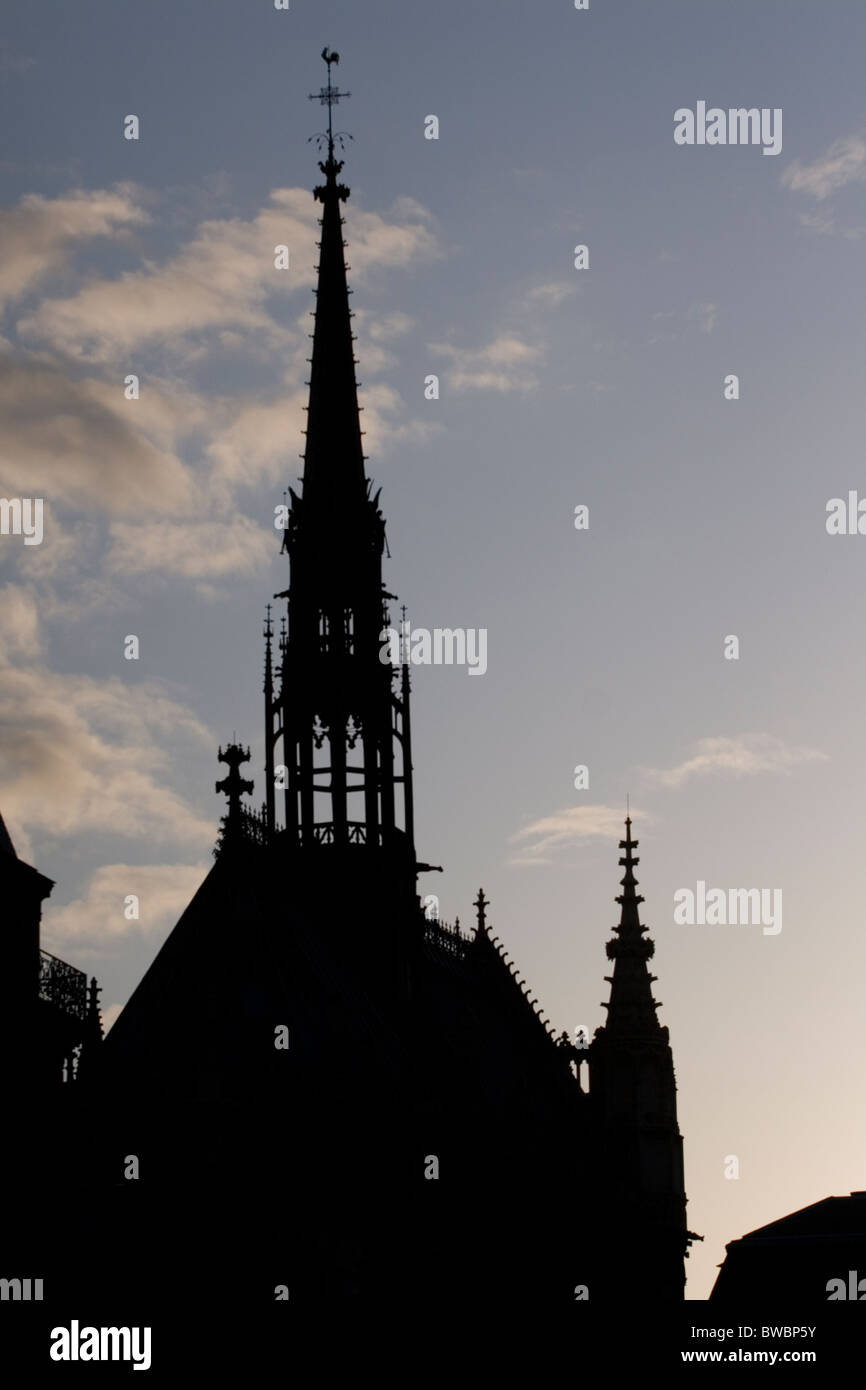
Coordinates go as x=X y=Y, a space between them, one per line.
x=329 y=96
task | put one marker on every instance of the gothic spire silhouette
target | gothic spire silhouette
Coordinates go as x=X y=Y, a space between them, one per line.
x=333 y=458
x=631 y=1011
x=340 y=716
x=634 y=1092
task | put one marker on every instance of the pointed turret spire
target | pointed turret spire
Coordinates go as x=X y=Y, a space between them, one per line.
x=633 y=1088
x=481 y=905
x=632 y=1008
x=340 y=717
x=334 y=457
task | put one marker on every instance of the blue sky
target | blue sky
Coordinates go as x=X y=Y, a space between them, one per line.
x=558 y=387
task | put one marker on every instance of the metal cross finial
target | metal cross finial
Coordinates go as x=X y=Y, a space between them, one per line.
x=329 y=96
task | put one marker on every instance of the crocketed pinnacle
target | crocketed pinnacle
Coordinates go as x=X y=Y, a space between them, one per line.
x=631 y=1011
x=333 y=458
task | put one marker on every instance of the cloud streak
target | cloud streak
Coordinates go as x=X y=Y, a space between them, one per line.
x=544 y=839
x=195 y=550
x=38 y=234
x=72 y=437
x=842 y=163
x=81 y=755
x=79 y=442
x=505 y=364
x=96 y=922
x=747 y=755
x=223 y=278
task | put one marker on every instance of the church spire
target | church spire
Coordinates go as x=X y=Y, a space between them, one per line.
x=633 y=1091
x=334 y=457
x=340 y=715
x=632 y=1008
x=481 y=905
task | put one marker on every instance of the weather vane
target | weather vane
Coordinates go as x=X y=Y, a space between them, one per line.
x=329 y=96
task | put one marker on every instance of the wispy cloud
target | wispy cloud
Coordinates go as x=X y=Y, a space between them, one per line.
x=223 y=278
x=705 y=315
x=508 y=362
x=825 y=224
x=81 y=754
x=96 y=922
x=386 y=424
x=675 y=323
x=194 y=549
x=79 y=441
x=72 y=436
x=747 y=755
x=542 y=840
x=38 y=234
x=505 y=364
x=550 y=295
x=842 y=163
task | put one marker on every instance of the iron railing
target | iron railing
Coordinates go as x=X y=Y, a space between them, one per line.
x=62 y=985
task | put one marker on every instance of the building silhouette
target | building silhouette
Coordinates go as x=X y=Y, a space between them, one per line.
x=815 y=1255
x=320 y=1091
x=51 y=1031
x=51 y=1016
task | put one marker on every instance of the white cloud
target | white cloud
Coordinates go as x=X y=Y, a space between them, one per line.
x=842 y=163
x=744 y=756
x=194 y=549
x=819 y=223
x=406 y=235
x=382 y=328
x=19 y=624
x=81 y=755
x=383 y=425
x=67 y=572
x=543 y=839
x=38 y=234
x=257 y=440
x=824 y=224
x=76 y=441
x=80 y=442
x=96 y=920
x=503 y=365
x=549 y=296
x=222 y=280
